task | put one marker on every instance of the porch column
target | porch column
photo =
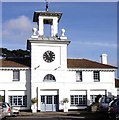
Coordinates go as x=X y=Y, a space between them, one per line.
x=6 y=96
x=88 y=97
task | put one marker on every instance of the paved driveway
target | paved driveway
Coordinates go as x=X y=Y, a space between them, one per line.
x=61 y=116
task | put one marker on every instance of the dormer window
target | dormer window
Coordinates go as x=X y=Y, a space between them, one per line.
x=16 y=75
x=78 y=76
x=49 y=78
x=96 y=76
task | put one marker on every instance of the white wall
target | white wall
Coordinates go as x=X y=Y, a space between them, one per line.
x=10 y=87
x=38 y=50
x=66 y=82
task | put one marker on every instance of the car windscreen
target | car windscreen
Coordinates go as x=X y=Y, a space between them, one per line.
x=106 y=100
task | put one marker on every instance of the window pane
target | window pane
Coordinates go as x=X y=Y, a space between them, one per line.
x=76 y=101
x=2 y=98
x=49 y=77
x=49 y=100
x=55 y=99
x=15 y=100
x=96 y=76
x=78 y=76
x=92 y=98
x=25 y=100
x=43 y=99
x=18 y=100
x=79 y=100
x=72 y=99
x=84 y=100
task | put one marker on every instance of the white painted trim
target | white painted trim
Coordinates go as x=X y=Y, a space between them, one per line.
x=14 y=68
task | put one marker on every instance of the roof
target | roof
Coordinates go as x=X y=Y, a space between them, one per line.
x=46 y=13
x=84 y=63
x=71 y=63
x=15 y=62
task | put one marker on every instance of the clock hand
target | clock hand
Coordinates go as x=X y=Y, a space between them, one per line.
x=48 y=54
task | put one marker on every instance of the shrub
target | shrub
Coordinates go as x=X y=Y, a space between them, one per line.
x=65 y=100
x=34 y=100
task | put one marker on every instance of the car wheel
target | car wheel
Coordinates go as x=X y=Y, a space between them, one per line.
x=112 y=117
x=117 y=116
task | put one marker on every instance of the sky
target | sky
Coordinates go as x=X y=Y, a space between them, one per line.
x=60 y=0
x=90 y=26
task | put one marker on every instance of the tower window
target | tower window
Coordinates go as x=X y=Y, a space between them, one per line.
x=49 y=78
x=48 y=27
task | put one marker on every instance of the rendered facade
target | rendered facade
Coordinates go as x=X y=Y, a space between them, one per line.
x=50 y=76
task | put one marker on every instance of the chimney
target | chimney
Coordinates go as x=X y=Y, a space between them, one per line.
x=104 y=58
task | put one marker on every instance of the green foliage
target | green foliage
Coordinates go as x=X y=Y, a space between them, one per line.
x=34 y=100
x=4 y=52
x=65 y=100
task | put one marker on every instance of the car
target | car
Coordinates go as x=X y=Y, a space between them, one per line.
x=104 y=103
x=6 y=108
x=2 y=114
x=15 y=111
x=9 y=110
x=113 y=109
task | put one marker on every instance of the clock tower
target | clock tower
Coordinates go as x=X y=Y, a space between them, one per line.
x=48 y=53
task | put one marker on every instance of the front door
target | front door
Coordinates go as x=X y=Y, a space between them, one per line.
x=49 y=102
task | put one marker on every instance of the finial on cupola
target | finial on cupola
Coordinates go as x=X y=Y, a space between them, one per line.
x=46 y=8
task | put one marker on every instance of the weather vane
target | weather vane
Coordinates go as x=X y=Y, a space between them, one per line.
x=46 y=5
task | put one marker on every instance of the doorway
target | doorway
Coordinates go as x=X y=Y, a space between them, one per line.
x=49 y=103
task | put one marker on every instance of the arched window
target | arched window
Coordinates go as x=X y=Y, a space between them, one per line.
x=49 y=78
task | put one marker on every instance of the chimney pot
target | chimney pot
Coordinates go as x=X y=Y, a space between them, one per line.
x=104 y=58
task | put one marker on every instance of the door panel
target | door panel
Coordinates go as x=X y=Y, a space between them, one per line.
x=49 y=103
x=43 y=103
x=55 y=105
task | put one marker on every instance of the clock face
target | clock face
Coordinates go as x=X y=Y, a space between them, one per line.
x=49 y=56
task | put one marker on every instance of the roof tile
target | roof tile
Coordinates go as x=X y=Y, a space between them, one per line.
x=71 y=63
x=15 y=62
x=84 y=63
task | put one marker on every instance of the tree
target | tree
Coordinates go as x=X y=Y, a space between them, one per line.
x=4 y=52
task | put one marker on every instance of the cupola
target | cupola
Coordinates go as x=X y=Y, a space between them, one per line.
x=47 y=18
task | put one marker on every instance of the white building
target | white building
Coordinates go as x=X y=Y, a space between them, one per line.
x=49 y=76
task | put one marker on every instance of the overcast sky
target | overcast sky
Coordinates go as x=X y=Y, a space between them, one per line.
x=90 y=26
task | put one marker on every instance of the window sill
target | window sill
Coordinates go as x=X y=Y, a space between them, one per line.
x=19 y=106
x=77 y=105
x=96 y=81
x=16 y=80
x=78 y=81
